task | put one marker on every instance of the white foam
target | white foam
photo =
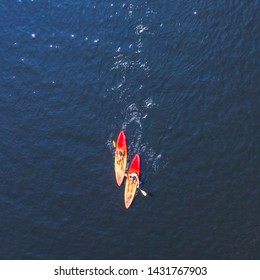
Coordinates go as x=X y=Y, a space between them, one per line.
x=130 y=12
x=133 y=115
x=140 y=44
x=148 y=102
x=140 y=29
x=54 y=46
x=155 y=164
x=149 y=11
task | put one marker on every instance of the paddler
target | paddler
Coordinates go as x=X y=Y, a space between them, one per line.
x=133 y=180
x=120 y=157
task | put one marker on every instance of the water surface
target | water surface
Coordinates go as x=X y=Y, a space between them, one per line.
x=182 y=80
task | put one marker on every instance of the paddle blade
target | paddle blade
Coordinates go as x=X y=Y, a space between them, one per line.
x=143 y=192
x=114 y=143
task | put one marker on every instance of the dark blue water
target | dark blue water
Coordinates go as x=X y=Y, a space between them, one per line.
x=180 y=77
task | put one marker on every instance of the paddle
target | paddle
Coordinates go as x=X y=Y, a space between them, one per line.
x=144 y=193
x=114 y=143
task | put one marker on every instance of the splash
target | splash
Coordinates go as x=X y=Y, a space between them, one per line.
x=140 y=29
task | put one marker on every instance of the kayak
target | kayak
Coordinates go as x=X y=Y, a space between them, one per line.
x=120 y=157
x=132 y=180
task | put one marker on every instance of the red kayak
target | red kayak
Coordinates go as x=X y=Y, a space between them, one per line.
x=120 y=157
x=132 y=181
